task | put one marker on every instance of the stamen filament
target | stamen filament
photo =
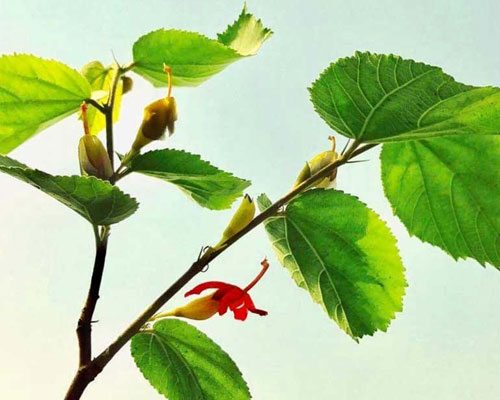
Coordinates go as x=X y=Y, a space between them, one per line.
x=265 y=266
x=83 y=109
x=168 y=71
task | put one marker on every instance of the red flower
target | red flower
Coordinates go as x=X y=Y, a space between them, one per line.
x=227 y=296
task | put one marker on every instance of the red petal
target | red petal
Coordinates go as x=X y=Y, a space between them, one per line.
x=240 y=313
x=232 y=296
x=251 y=306
x=207 y=285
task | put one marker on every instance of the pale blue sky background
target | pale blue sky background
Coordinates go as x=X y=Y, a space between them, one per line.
x=255 y=120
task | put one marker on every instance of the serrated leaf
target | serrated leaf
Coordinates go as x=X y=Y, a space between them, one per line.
x=183 y=363
x=193 y=57
x=95 y=200
x=100 y=79
x=209 y=186
x=385 y=98
x=344 y=255
x=245 y=35
x=446 y=192
x=34 y=94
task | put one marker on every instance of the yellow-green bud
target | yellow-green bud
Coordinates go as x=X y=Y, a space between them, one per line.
x=241 y=218
x=94 y=159
x=316 y=164
x=158 y=117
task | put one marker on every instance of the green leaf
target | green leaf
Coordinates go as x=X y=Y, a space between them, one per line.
x=207 y=185
x=446 y=192
x=384 y=98
x=245 y=35
x=34 y=94
x=193 y=57
x=344 y=255
x=95 y=200
x=100 y=79
x=183 y=363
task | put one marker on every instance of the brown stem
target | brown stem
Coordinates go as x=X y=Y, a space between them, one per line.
x=93 y=369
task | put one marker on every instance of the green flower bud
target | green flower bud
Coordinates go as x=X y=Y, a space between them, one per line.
x=93 y=157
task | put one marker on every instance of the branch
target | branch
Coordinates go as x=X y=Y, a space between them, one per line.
x=84 y=329
x=201 y=263
x=88 y=373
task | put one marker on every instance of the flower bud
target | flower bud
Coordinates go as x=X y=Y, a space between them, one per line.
x=159 y=116
x=93 y=157
x=127 y=84
x=198 y=309
x=241 y=218
x=318 y=163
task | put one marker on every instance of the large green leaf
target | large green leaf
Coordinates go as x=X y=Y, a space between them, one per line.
x=246 y=34
x=447 y=192
x=193 y=57
x=207 y=185
x=343 y=254
x=183 y=363
x=100 y=78
x=34 y=94
x=95 y=200
x=383 y=98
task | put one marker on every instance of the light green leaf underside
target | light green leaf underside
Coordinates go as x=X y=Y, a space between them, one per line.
x=182 y=363
x=245 y=35
x=95 y=200
x=446 y=192
x=100 y=79
x=193 y=57
x=340 y=251
x=205 y=184
x=34 y=94
x=384 y=98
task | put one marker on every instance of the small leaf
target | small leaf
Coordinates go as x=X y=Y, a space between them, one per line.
x=446 y=192
x=384 y=98
x=207 y=185
x=192 y=57
x=344 y=255
x=100 y=79
x=245 y=35
x=182 y=363
x=95 y=200
x=34 y=94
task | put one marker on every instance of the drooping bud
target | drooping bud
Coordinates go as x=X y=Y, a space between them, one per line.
x=159 y=116
x=241 y=218
x=127 y=84
x=318 y=163
x=93 y=157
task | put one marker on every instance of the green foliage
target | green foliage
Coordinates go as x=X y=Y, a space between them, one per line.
x=207 y=185
x=447 y=192
x=100 y=79
x=183 y=363
x=384 y=98
x=95 y=200
x=339 y=250
x=34 y=94
x=245 y=35
x=193 y=57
